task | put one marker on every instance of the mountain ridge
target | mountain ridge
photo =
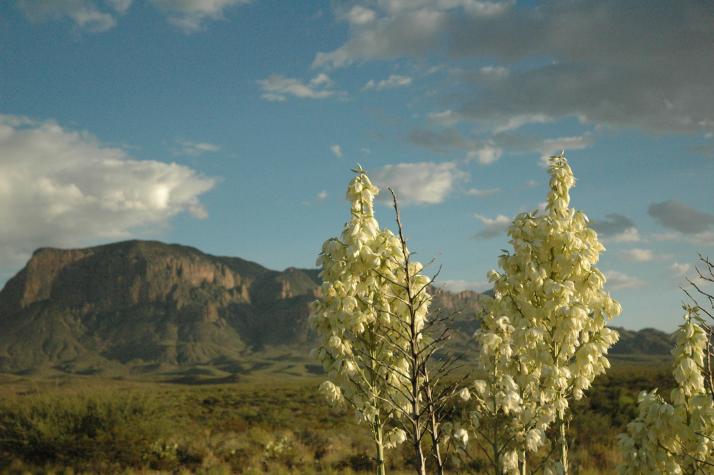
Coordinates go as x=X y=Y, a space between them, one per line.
x=147 y=304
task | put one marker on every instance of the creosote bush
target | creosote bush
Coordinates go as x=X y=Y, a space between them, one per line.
x=99 y=431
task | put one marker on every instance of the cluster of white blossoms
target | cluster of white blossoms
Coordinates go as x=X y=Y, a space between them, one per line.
x=543 y=338
x=362 y=312
x=678 y=437
x=353 y=313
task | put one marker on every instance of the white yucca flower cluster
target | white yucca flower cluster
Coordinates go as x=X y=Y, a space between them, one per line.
x=678 y=437
x=361 y=314
x=543 y=338
x=353 y=310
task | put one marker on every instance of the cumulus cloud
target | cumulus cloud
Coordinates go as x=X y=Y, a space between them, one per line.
x=446 y=117
x=120 y=6
x=638 y=255
x=278 y=88
x=60 y=187
x=101 y=15
x=488 y=150
x=462 y=285
x=680 y=269
x=194 y=149
x=392 y=82
x=191 y=15
x=420 y=182
x=85 y=14
x=480 y=193
x=484 y=152
x=359 y=15
x=617 y=228
x=492 y=227
x=598 y=62
x=336 y=150
x=494 y=72
x=675 y=215
x=322 y=196
x=616 y=280
x=550 y=147
x=401 y=27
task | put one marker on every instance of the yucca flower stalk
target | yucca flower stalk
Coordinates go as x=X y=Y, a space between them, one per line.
x=543 y=337
x=676 y=437
x=352 y=315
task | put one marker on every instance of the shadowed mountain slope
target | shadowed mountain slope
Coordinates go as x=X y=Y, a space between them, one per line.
x=146 y=303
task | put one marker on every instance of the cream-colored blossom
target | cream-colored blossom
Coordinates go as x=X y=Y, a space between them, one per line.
x=394 y=438
x=543 y=338
x=676 y=437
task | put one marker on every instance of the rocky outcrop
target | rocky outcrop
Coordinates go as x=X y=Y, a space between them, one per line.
x=149 y=303
x=145 y=300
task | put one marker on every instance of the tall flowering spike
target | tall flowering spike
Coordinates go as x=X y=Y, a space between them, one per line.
x=544 y=337
x=352 y=314
x=676 y=437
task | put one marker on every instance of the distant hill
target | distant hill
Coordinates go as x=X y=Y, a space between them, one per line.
x=648 y=341
x=142 y=301
x=146 y=304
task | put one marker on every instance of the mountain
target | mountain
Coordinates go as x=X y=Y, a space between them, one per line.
x=648 y=341
x=144 y=301
x=146 y=304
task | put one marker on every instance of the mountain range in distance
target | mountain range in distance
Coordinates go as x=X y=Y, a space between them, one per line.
x=146 y=307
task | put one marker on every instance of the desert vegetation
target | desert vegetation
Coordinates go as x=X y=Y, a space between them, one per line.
x=533 y=391
x=262 y=425
x=542 y=340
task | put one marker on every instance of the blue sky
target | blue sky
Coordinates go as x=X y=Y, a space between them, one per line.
x=232 y=125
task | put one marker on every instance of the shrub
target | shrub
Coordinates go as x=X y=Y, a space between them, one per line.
x=94 y=431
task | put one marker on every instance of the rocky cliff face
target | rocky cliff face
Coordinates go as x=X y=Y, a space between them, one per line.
x=150 y=301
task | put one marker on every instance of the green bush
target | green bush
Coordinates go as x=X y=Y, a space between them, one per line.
x=88 y=432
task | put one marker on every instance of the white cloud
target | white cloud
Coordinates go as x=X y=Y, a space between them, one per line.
x=513 y=122
x=485 y=153
x=488 y=150
x=494 y=72
x=277 y=88
x=480 y=193
x=703 y=238
x=447 y=117
x=60 y=187
x=101 y=15
x=120 y=6
x=462 y=285
x=85 y=14
x=321 y=196
x=194 y=149
x=617 y=280
x=492 y=227
x=679 y=269
x=628 y=235
x=419 y=183
x=191 y=15
x=392 y=82
x=617 y=228
x=638 y=255
x=615 y=74
x=551 y=147
x=359 y=15
x=405 y=27
x=336 y=150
